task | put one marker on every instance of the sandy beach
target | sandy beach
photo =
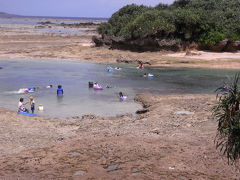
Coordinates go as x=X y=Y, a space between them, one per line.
x=172 y=140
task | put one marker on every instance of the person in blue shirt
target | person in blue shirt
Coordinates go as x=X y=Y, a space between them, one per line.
x=59 y=90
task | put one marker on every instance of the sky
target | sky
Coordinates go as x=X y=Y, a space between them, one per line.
x=70 y=8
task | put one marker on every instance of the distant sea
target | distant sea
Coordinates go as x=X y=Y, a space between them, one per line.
x=63 y=18
x=16 y=19
x=6 y=15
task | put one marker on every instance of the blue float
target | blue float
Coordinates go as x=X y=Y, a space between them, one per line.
x=27 y=114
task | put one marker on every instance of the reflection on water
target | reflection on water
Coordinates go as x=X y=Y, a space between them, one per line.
x=78 y=99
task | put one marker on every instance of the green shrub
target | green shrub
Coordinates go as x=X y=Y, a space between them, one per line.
x=211 y=38
x=205 y=21
x=105 y=28
x=148 y=23
x=226 y=112
x=124 y=16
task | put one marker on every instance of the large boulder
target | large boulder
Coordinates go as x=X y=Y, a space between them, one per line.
x=219 y=46
x=98 y=41
x=190 y=46
x=169 y=44
x=144 y=44
x=232 y=46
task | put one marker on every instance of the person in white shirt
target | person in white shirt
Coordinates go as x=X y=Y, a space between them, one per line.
x=21 y=106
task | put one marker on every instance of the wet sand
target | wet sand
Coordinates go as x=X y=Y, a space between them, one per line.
x=173 y=140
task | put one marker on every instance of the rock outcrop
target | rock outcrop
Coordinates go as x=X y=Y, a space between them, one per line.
x=232 y=46
x=224 y=46
x=218 y=47
x=145 y=44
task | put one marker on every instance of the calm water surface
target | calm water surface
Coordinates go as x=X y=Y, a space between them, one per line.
x=79 y=99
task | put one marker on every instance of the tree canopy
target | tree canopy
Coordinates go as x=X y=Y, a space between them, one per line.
x=202 y=21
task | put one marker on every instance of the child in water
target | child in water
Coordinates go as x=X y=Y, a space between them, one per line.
x=140 y=66
x=120 y=95
x=49 y=86
x=21 y=106
x=59 y=90
x=32 y=104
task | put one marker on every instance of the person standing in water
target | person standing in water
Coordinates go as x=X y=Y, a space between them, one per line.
x=140 y=66
x=60 y=90
x=32 y=104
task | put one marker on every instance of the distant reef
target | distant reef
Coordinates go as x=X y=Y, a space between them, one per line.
x=186 y=24
x=6 y=15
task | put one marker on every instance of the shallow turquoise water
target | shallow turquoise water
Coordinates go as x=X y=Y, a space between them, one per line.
x=79 y=99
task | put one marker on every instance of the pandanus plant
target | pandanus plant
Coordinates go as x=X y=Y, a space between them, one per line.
x=227 y=114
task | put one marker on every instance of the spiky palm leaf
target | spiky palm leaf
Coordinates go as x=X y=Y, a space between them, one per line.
x=228 y=116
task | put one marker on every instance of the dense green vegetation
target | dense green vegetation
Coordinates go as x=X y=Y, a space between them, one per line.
x=228 y=116
x=203 y=21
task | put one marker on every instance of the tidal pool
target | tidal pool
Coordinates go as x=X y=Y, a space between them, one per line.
x=80 y=100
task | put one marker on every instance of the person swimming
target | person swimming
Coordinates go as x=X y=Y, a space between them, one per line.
x=95 y=84
x=49 y=86
x=120 y=94
x=27 y=90
x=109 y=68
x=108 y=86
x=150 y=75
x=23 y=90
x=33 y=89
x=60 y=90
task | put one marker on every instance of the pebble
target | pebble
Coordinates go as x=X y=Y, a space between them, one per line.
x=183 y=178
x=79 y=173
x=112 y=168
x=135 y=170
x=188 y=125
x=74 y=154
x=103 y=160
x=183 y=113
x=155 y=131
x=60 y=139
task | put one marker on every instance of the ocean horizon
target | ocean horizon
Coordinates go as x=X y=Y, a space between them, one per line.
x=9 y=16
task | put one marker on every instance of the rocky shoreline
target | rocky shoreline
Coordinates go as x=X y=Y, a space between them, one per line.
x=24 y=41
x=173 y=140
